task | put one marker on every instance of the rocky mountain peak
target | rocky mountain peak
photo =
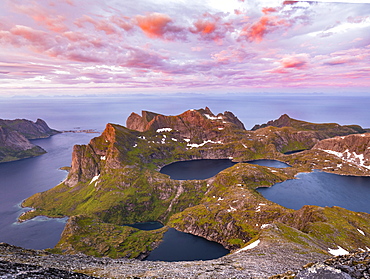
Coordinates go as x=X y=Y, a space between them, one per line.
x=201 y=124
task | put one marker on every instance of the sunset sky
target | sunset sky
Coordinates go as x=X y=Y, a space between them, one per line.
x=169 y=46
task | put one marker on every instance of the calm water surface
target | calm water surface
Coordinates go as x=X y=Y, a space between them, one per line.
x=179 y=246
x=196 y=169
x=269 y=163
x=322 y=189
x=21 y=179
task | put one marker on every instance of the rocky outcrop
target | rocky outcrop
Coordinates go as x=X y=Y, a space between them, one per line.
x=258 y=263
x=354 y=149
x=15 y=135
x=350 y=266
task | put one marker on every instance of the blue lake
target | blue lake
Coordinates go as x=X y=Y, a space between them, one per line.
x=179 y=246
x=322 y=189
x=196 y=169
x=269 y=163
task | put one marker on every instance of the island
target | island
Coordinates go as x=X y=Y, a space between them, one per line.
x=115 y=180
x=15 y=136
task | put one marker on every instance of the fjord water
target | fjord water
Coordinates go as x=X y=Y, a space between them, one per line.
x=322 y=189
x=21 y=179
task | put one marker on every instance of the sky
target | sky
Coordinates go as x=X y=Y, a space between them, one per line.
x=168 y=46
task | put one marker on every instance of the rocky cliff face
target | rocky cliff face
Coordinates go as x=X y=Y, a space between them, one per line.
x=354 y=149
x=15 y=135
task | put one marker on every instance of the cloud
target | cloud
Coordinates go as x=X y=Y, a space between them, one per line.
x=99 y=25
x=122 y=22
x=157 y=25
x=266 y=24
x=295 y=61
x=42 y=16
x=38 y=40
x=212 y=27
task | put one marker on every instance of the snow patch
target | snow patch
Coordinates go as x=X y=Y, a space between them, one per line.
x=231 y=209
x=245 y=146
x=250 y=246
x=210 y=117
x=220 y=128
x=350 y=157
x=135 y=145
x=192 y=145
x=265 y=226
x=187 y=140
x=102 y=158
x=338 y=252
x=174 y=139
x=360 y=231
x=164 y=130
x=220 y=199
x=94 y=178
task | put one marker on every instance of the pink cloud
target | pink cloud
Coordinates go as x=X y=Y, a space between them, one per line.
x=204 y=26
x=36 y=39
x=99 y=25
x=122 y=22
x=212 y=27
x=266 y=24
x=42 y=16
x=295 y=61
x=157 y=25
x=269 y=10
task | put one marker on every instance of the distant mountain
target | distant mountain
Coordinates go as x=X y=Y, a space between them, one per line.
x=15 y=136
x=323 y=130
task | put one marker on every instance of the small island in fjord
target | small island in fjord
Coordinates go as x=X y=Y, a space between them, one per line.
x=114 y=180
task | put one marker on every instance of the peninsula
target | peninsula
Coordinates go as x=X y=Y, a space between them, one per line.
x=15 y=136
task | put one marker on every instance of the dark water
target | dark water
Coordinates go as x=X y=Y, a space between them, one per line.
x=21 y=179
x=196 y=169
x=179 y=246
x=269 y=163
x=322 y=189
x=147 y=226
x=294 y=151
